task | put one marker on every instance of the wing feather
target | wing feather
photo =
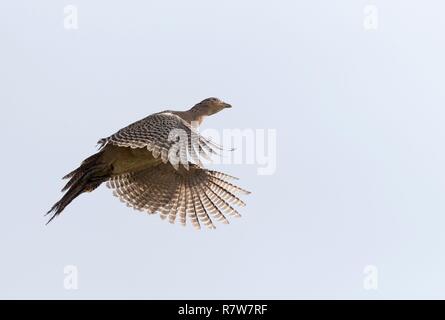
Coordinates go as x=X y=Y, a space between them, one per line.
x=196 y=195
x=159 y=133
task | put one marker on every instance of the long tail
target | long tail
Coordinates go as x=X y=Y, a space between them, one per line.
x=91 y=173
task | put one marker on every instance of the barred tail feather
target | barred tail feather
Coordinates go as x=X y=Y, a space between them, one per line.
x=86 y=178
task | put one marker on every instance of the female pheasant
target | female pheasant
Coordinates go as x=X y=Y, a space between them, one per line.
x=153 y=165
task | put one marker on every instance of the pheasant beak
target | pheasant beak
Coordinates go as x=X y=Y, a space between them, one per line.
x=226 y=105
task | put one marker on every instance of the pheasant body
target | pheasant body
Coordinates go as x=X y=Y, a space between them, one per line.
x=147 y=170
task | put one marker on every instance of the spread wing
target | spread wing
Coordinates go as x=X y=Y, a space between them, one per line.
x=196 y=195
x=167 y=136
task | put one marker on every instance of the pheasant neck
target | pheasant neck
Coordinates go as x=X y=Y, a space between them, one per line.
x=192 y=116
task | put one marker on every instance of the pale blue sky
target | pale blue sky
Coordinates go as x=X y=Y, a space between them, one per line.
x=359 y=116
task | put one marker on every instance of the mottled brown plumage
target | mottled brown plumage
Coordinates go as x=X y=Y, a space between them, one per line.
x=153 y=165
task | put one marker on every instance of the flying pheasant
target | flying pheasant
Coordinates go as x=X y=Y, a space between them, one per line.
x=153 y=165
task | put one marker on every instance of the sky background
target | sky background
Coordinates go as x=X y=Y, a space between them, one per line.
x=359 y=116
